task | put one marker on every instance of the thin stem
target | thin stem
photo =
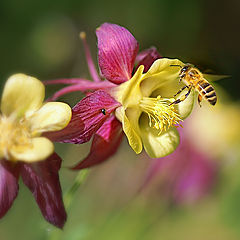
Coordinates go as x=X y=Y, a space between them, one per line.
x=55 y=233
x=68 y=196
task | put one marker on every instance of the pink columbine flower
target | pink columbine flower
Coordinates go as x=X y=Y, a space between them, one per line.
x=135 y=101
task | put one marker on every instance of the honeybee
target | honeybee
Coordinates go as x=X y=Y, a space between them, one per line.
x=194 y=79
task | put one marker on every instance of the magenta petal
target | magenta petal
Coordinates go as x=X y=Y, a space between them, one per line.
x=147 y=58
x=105 y=143
x=43 y=181
x=8 y=185
x=87 y=117
x=117 y=50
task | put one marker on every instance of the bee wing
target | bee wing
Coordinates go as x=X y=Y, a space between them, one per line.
x=212 y=77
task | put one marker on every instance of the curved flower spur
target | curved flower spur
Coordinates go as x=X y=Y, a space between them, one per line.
x=24 y=152
x=137 y=100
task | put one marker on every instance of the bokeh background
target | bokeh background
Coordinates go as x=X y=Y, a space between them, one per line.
x=41 y=38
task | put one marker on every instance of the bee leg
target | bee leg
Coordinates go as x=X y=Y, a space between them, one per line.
x=183 y=97
x=199 y=99
x=180 y=91
x=180 y=78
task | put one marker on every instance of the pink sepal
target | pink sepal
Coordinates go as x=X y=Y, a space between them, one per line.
x=117 y=50
x=147 y=58
x=43 y=181
x=9 y=174
x=105 y=143
x=87 y=117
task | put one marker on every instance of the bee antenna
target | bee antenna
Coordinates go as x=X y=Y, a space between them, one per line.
x=175 y=66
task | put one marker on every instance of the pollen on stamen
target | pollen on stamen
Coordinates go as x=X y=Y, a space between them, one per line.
x=161 y=115
x=13 y=135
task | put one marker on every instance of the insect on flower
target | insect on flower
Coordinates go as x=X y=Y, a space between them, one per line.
x=194 y=79
x=103 y=111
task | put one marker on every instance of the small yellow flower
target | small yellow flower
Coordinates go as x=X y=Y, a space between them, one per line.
x=146 y=113
x=24 y=118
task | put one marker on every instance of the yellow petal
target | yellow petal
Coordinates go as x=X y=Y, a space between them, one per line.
x=185 y=107
x=161 y=74
x=168 y=89
x=41 y=148
x=52 y=116
x=128 y=93
x=157 y=145
x=22 y=94
x=119 y=113
x=131 y=129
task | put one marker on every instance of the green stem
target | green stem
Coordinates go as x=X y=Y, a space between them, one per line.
x=55 y=233
x=69 y=195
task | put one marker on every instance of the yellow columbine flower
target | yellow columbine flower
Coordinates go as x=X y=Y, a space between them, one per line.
x=24 y=118
x=146 y=113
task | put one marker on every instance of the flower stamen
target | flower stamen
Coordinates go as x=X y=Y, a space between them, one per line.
x=14 y=135
x=161 y=115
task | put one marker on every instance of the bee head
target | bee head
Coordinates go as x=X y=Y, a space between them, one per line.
x=185 y=68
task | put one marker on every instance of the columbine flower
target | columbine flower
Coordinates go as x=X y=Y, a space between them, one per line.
x=146 y=114
x=24 y=152
x=140 y=101
x=182 y=177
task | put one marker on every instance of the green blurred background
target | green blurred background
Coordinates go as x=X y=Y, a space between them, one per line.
x=40 y=38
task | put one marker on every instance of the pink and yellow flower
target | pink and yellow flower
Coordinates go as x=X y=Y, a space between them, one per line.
x=136 y=100
x=23 y=151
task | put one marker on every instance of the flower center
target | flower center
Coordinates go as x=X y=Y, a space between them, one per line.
x=161 y=115
x=14 y=135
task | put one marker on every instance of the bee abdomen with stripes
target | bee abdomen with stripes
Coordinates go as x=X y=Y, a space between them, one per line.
x=207 y=91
